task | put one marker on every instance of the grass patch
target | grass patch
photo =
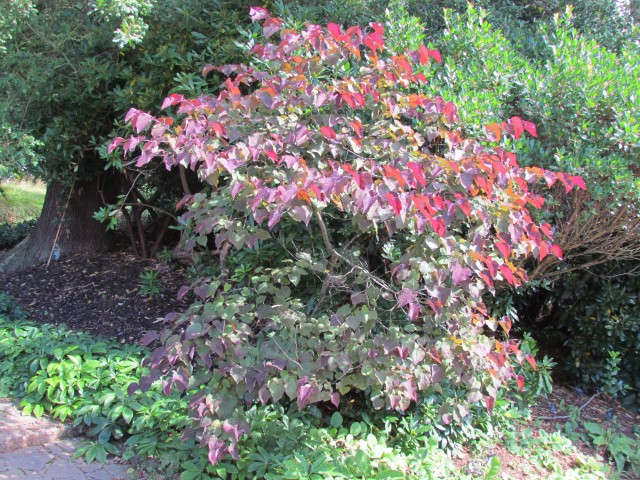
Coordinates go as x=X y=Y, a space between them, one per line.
x=20 y=201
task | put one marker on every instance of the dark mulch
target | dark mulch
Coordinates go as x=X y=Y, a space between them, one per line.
x=98 y=294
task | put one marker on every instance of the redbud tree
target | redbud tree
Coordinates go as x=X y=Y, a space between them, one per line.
x=357 y=230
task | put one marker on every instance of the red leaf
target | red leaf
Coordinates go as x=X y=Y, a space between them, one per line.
x=557 y=251
x=518 y=126
x=395 y=174
x=504 y=249
x=424 y=55
x=171 y=100
x=489 y=402
x=544 y=250
x=433 y=353
x=395 y=202
x=335 y=31
x=435 y=305
x=508 y=274
x=438 y=225
x=484 y=274
x=531 y=360
x=328 y=132
x=357 y=127
x=520 y=382
x=417 y=173
x=531 y=128
x=465 y=206
x=579 y=182
x=435 y=54
x=404 y=64
x=536 y=201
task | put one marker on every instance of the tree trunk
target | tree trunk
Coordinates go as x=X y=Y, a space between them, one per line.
x=66 y=221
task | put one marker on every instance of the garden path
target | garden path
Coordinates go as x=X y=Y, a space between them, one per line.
x=41 y=449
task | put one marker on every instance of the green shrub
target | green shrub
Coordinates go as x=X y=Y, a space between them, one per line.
x=591 y=330
x=11 y=235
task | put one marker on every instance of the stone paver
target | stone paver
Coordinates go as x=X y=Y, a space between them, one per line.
x=41 y=449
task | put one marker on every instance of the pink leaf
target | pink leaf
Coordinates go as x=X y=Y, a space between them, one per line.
x=171 y=100
x=258 y=13
x=115 y=143
x=406 y=296
x=141 y=122
x=335 y=399
x=206 y=69
x=460 y=274
x=271 y=26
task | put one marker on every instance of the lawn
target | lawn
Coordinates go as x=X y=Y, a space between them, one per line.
x=20 y=201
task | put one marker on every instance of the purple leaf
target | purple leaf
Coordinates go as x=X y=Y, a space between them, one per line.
x=460 y=274
x=149 y=337
x=359 y=297
x=406 y=296
x=217 y=450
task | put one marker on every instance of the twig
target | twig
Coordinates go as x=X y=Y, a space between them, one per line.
x=66 y=205
x=564 y=417
x=334 y=254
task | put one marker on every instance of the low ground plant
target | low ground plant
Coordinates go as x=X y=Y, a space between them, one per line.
x=84 y=380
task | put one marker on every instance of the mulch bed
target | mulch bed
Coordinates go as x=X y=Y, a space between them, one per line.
x=98 y=294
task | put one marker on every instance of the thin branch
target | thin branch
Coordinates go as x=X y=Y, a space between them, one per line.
x=332 y=251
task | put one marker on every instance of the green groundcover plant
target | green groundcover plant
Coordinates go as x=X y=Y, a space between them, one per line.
x=78 y=378
x=357 y=231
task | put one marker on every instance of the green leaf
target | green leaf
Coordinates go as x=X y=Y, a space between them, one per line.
x=336 y=420
x=38 y=410
x=356 y=429
x=493 y=468
x=363 y=462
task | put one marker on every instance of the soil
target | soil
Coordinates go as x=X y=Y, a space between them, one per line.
x=98 y=294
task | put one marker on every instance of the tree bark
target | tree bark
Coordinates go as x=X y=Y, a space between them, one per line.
x=66 y=221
